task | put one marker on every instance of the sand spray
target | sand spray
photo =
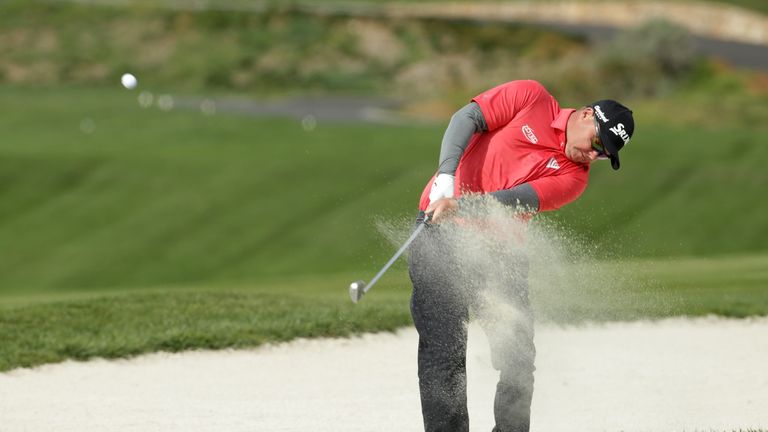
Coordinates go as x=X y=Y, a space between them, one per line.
x=492 y=246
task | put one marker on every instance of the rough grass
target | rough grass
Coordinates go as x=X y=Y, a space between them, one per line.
x=176 y=320
x=44 y=328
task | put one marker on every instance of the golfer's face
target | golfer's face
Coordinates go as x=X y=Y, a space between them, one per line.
x=582 y=140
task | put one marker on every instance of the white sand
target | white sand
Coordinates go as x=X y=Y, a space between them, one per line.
x=671 y=375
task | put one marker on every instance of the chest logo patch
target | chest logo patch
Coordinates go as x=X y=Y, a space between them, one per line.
x=552 y=164
x=528 y=132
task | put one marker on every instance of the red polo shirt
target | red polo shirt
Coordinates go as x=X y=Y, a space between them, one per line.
x=524 y=143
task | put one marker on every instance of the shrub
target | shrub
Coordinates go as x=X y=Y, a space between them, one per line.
x=646 y=60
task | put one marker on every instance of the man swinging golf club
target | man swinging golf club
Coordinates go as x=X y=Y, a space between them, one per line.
x=515 y=143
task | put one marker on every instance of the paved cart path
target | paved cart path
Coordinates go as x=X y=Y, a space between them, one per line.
x=702 y=374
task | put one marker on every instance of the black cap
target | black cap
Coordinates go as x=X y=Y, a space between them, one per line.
x=616 y=127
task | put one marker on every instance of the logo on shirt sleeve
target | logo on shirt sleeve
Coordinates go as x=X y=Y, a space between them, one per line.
x=552 y=164
x=528 y=132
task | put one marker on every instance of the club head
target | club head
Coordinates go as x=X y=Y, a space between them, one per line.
x=356 y=290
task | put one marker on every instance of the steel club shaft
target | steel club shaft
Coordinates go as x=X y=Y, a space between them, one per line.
x=358 y=288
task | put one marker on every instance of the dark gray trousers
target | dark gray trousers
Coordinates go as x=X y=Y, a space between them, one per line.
x=447 y=284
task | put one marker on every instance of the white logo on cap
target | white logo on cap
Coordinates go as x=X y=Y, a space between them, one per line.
x=528 y=132
x=619 y=131
x=601 y=114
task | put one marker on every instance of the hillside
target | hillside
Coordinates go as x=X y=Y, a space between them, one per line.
x=146 y=197
x=260 y=53
x=98 y=192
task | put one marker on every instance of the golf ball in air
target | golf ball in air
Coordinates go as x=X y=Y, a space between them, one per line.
x=129 y=81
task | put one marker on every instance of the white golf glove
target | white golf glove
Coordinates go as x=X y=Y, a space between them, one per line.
x=442 y=187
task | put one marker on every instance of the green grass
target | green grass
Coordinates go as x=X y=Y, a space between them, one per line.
x=729 y=286
x=670 y=211
x=40 y=329
x=153 y=198
x=175 y=230
x=121 y=325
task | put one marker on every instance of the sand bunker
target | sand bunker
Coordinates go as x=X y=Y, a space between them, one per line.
x=670 y=375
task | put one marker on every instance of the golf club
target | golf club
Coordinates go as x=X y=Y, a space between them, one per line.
x=358 y=288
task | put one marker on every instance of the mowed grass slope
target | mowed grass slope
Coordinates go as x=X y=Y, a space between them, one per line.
x=680 y=191
x=175 y=230
x=80 y=326
x=160 y=198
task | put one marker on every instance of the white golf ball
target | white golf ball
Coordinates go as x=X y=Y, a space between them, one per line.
x=129 y=81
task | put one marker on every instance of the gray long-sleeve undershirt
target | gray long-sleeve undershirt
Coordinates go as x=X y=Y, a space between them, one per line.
x=464 y=123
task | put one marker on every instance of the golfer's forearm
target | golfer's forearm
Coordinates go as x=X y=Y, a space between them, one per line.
x=464 y=123
x=523 y=197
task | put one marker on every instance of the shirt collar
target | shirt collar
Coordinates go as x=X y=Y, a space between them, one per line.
x=560 y=124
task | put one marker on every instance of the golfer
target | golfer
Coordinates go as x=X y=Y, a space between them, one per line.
x=516 y=144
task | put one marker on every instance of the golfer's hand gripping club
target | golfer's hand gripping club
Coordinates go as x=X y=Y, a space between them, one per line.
x=358 y=288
